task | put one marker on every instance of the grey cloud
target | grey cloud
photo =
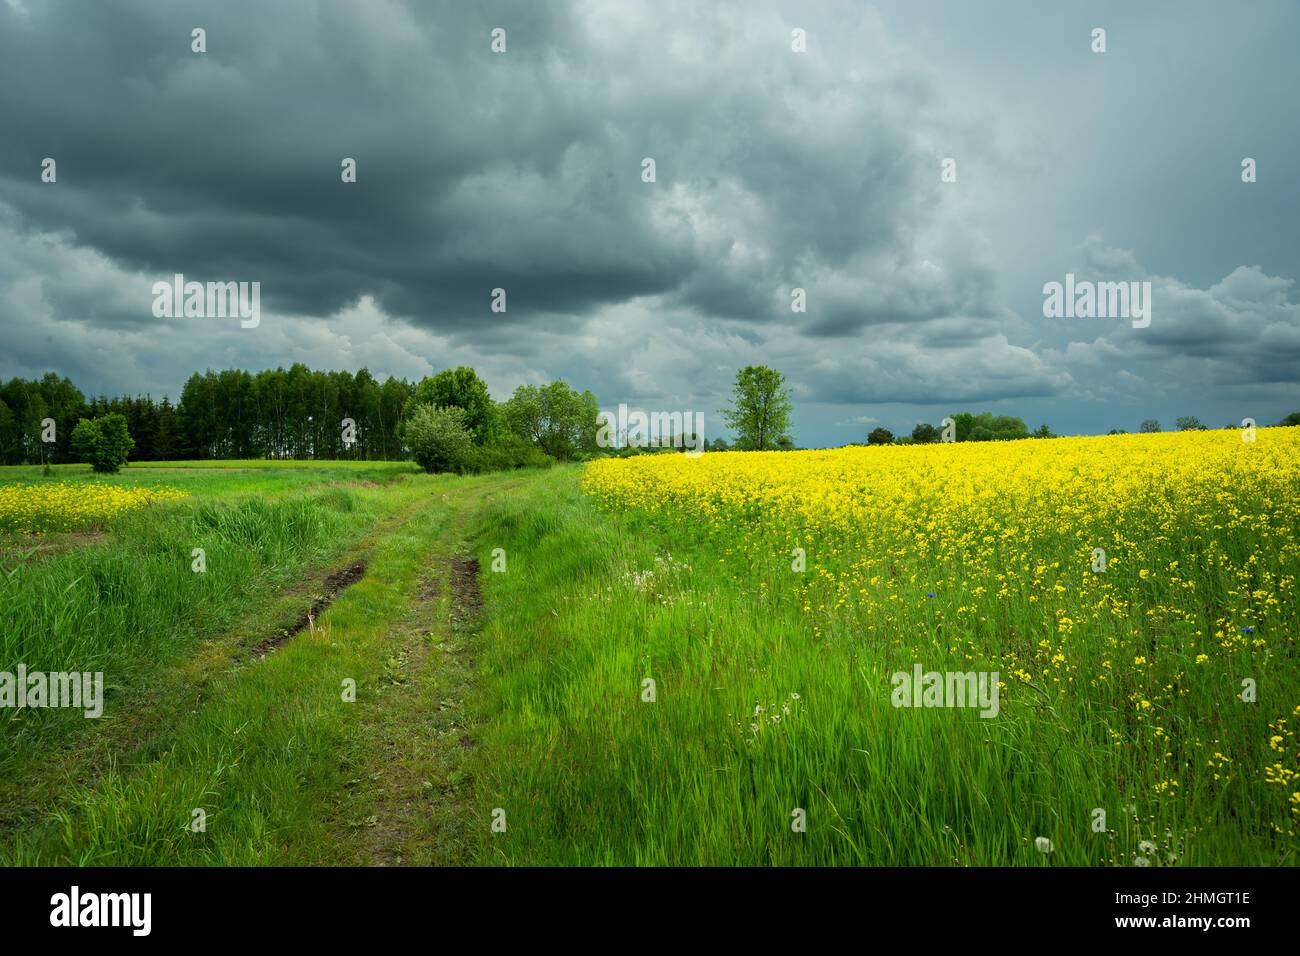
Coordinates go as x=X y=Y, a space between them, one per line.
x=522 y=171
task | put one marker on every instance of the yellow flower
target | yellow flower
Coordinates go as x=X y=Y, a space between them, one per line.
x=72 y=506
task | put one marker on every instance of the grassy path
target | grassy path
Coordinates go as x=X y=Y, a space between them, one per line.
x=408 y=801
x=339 y=744
x=34 y=785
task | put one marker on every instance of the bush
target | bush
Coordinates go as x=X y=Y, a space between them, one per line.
x=506 y=456
x=988 y=427
x=438 y=438
x=460 y=388
x=104 y=442
x=560 y=421
x=925 y=434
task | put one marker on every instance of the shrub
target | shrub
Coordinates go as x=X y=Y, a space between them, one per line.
x=555 y=418
x=460 y=388
x=104 y=442
x=506 y=456
x=988 y=427
x=438 y=438
x=925 y=434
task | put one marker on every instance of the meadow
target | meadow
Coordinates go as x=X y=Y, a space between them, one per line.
x=671 y=660
x=771 y=596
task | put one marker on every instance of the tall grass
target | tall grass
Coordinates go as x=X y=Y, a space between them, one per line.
x=218 y=478
x=759 y=715
x=272 y=747
x=126 y=602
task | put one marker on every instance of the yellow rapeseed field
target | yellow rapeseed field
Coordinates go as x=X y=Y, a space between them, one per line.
x=72 y=506
x=985 y=517
x=1121 y=572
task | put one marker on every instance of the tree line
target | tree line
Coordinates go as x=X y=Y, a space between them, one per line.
x=276 y=413
x=295 y=413
x=1190 y=423
x=761 y=412
x=303 y=413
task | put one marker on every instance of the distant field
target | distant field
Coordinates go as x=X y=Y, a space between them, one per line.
x=237 y=464
x=672 y=660
x=217 y=477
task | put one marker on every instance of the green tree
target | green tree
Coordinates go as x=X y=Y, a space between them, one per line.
x=66 y=406
x=167 y=438
x=392 y=398
x=761 y=407
x=461 y=388
x=1189 y=423
x=1007 y=427
x=105 y=442
x=925 y=434
x=880 y=436
x=987 y=427
x=555 y=418
x=1292 y=419
x=438 y=438
x=1150 y=425
x=9 y=445
x=963 y=425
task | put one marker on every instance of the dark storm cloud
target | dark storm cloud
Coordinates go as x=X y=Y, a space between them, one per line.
x=775 y=171
x=474 y=170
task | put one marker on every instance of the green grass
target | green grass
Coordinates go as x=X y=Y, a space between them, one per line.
x=215 y=478
x=590 y=773
x=128 y=602
x=535 y=707
x=265 y=755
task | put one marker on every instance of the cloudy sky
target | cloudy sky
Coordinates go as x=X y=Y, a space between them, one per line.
x=775 y=170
